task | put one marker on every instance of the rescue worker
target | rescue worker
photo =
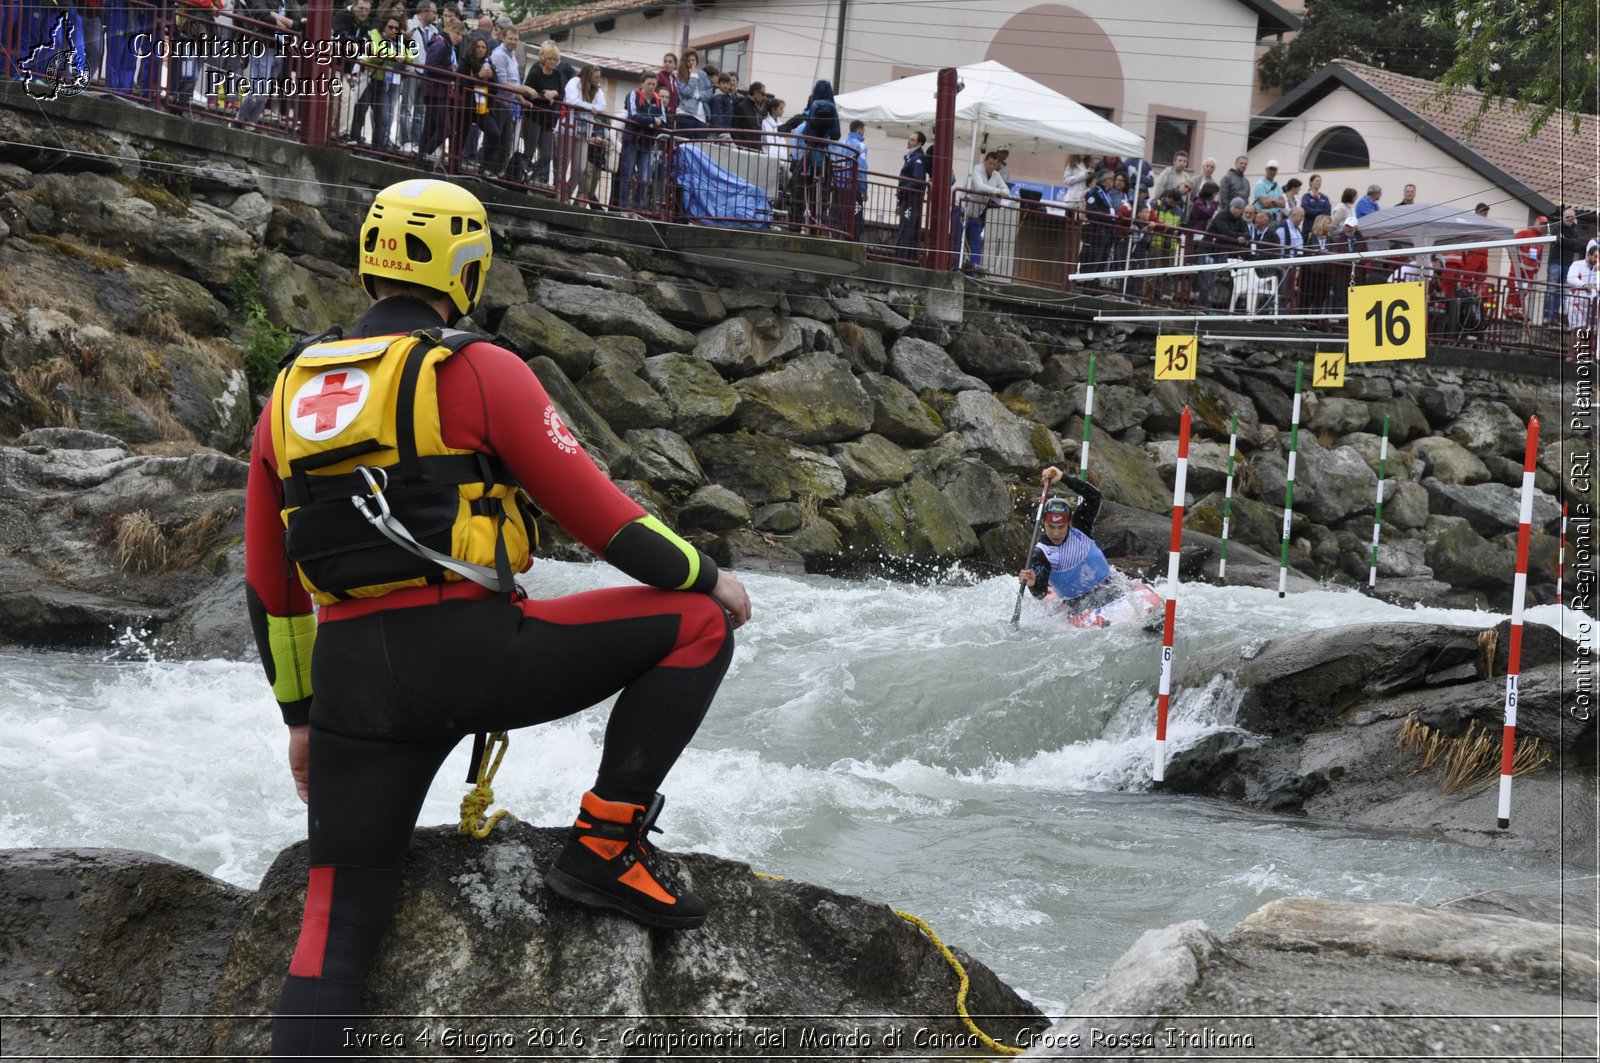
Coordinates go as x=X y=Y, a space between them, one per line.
x=386 y=491
x=1069 y=561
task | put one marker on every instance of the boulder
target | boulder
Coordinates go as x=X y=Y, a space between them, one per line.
x=697 y=395
x=203 y=243
x=781 y=518
x=1489 y=427
x=1207 y=469
x=1045 y=405
x=1441 y=403
x=252 y=212
x=1397 y=465
x=534 y=331
x=1406 y=419
x=600 y=312
x=626 y=351
x=1448 y=461
x=994 y=355
x=1064 y=371
x=753 y=551
x=1462 y=558
x=685 y=301
x=624 y=400
x=1489 y=507
x=978 y=494
x=303 y=302
x=735 y=347
x=1117 y=407
x=1405 y=504
x=1341 y=482
x=572 y=416
x=765 y=469
x=999 y=436
x=910 y=523
x=812 y=399
x=818 y=542
x=1403 y=559
x=302 y=228
x=863 y=348
x=1122 y=471
x=872 y=463
x=920 y=365
x=664 y=458
x=1214 y=406
x=1250 y=522
x=870 y=313
x=713 y=508
x=1331 y=413
x=503 y=288
x=898 y=415
x=210 y=398
x=132 y=294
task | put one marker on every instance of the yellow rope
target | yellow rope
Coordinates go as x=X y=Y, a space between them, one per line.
x=475 y=805
x=961 y=994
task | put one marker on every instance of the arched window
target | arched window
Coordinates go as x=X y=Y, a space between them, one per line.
x=1339 y=148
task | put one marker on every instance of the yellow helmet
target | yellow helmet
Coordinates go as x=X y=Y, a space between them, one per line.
x=431 y=233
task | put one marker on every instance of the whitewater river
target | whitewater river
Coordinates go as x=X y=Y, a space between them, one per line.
x=898 y=742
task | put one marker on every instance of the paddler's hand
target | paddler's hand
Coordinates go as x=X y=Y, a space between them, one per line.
x=731 y=595
x=1026 y=577
x=1051 y=476
x=300 y=759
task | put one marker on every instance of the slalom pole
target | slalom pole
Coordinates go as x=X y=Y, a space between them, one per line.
x=1088 y=416
x=1227 y=496
x=1174 y=549
x=1519 y=591
x=1288 y=489
x=1038 y=519
x=1561 y=550
x=1377 y=509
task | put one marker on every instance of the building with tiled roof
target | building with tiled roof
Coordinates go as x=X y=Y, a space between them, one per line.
x=1358 y=125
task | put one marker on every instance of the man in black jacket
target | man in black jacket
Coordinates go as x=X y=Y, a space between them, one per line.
x=1226 y=238
x=747 y=115
x=913 y=188
x=1567 y=249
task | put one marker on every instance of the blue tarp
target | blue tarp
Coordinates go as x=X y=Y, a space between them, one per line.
x=717 y=197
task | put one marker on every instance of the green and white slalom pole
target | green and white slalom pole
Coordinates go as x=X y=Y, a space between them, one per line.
x=1288 y=489
x=1227 y=497
x=1174 y=553
x=1377 y=509
x=1088 y=416
x=1519 y=593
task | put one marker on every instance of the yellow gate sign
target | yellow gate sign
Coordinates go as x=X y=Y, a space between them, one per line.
x=1329 y=371
x=1388 y=322
x=1176 y=357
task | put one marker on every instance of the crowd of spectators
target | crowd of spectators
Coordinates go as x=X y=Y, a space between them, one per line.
x=441 y=81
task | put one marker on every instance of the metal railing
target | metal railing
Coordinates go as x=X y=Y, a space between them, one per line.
x=183 y=57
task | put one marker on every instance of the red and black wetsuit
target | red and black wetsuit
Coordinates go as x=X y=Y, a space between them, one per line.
x=401 y=678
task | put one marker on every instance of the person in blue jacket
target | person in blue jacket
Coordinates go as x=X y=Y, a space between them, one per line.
x=1068 y=561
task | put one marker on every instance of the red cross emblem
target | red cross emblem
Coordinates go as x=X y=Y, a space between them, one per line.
x=328 y=402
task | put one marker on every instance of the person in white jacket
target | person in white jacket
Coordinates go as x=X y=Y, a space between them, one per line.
x=984 y=188
x=1583 y=286
x=587 y=137
x=1076 y=178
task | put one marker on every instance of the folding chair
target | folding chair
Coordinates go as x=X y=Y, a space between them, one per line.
x=1252 y=284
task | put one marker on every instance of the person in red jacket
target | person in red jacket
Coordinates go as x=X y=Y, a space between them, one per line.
x=387 y=491
x=1525 y=270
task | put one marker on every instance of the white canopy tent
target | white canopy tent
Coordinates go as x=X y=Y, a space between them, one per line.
x=994 y=101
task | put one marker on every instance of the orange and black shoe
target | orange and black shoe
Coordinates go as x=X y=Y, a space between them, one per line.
x=609 y=862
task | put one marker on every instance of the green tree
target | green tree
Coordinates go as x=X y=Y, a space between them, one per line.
x=1401 y=37
x=1537 y=55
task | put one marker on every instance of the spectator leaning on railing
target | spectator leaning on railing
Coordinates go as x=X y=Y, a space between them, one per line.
x=773 y=143
x=385 y=55
x=694 y=92
x=1567 y=249
x=414 y=110
x=441 y=63
x=984 y=188
x=543 y=87
x=1583 y=286
x=646 y=119
x=719 y=108
x=353 y=26
x=856 y=142
x=585 y=100
x=1226 y=239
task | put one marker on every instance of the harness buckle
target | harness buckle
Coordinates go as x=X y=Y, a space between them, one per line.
x=375 y=492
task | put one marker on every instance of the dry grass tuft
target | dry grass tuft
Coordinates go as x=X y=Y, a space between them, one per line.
x=140 y=543
x=1246 y=478
x=809 y=506
x=193 y=541
x=1467 y=761
x=1488 y=643
x=160 y=325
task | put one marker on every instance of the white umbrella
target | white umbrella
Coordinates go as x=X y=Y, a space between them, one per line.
x=1021 y=113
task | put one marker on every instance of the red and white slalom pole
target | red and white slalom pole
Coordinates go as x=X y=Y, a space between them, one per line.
x=1174 y=549
x=1561 y=550
x=1519 y=591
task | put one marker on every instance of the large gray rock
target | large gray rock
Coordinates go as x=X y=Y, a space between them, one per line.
x=1207 y=469
x=999 y=436
x=1406 y=419
x=624 y=400
x=534 y=331
x=765 y=469
x=1397 y=464
x=664 y=458
x=1488 y=427
x=813 y=399
x=914 y=522
x=1490 y=508
x=601 y=312
x=503 y=288
x=132 y=295
x=1448 y=461
x=1117 y=407
x=870 y=313
x=204 y=243
x=920 y=365
x=1045 y=405
x=1181 y=990
x=1341 y=482
x=1331 y=413
x=714 y=508
x=898 y=415
x=863 y=348
x=305 y=302
x=1461 y=557
x=1405 y=504
x=738 y=347
x=210 y=398
x=996 y=356
x=89 y=930
x=872 y=463
x=685 y=301
x=978 y=494
x=698 y=397
x=302 y=228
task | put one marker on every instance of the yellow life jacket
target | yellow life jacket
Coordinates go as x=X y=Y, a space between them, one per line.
x=373 y=498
